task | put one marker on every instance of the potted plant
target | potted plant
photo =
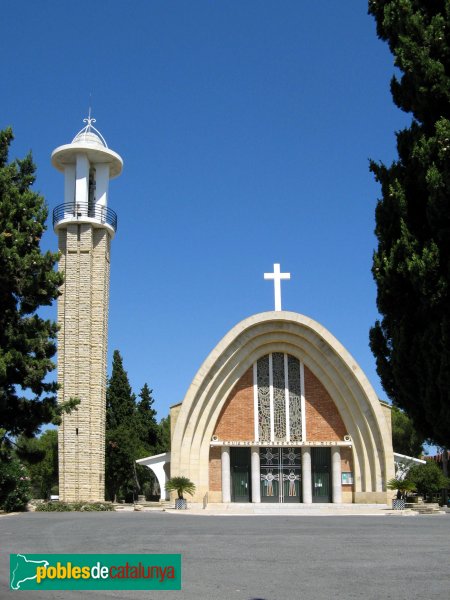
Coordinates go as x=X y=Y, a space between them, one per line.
x=180 y=485
x=403 y=486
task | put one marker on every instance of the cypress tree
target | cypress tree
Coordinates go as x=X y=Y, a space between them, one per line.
x=411 y=265
x=146 y=416
x=120 y=400
x=122 y=434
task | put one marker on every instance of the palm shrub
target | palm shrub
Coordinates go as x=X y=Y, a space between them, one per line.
x=404 y=486
x=180 y=485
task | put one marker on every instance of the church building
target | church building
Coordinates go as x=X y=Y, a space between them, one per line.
x=280 y=412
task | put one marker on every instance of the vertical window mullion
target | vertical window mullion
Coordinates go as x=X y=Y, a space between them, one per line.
x=286 y=396
x=272 y=423
x=280 y=475
x=255 y=400
x=302 y=392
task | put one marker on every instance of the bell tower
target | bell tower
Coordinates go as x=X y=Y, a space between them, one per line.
x=85 y=226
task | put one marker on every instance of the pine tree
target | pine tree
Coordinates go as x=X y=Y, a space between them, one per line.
x=123 y=445
x=164 y=435
x=146 y=417
x=120 y=400
x=27 y=282
x=411 y=266
x=132 y=432
x=40 y=456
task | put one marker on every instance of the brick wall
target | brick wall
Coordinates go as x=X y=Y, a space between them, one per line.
x=215 y=470
x=323 y=421
x=236 y=419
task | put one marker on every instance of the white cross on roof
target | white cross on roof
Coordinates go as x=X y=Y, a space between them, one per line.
x=277 y=276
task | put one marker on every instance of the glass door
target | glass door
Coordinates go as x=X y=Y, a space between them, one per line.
x=240 y=474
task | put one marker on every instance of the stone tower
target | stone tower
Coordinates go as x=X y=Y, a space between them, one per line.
x=85 y=227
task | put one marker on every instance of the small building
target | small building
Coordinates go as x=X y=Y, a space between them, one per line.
x=281 y=412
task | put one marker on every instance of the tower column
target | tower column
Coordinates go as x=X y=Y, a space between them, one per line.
x=82 y=180
x=84 y=243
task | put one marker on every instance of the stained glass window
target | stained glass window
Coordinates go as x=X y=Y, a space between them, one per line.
x=285 y=375
x=295 y=399
x=263 y=399
x=279 y=396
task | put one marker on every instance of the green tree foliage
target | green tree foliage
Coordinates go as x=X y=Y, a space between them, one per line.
x=41 y=458
x=146 y=417
x=14 y=482
x=132 y=432
x=411 y=266
x=149 y=435
x=122 y=441
x=428 y=478
x=405 y=438
x=403 y=486
x=164 y=435
x=120 y=400
x=27 y=282
x=122 y=450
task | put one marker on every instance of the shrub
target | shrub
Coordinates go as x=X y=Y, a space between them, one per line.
x=95 y=507
x=74 y=507
x=404 y=486
x=15 y=489
x=53 y=507
x=428 y=478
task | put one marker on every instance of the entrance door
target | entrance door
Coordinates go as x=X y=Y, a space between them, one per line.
x=240 y=474
x=321 y=469
x=280 y=474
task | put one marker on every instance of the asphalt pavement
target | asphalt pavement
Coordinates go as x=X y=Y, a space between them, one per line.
x=251 y=557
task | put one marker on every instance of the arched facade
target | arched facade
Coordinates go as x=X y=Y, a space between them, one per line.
x=281 y=406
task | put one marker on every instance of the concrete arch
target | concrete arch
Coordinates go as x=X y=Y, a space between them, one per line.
x=326 y=358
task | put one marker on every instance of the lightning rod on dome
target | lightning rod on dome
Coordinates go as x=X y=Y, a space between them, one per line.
x=89 y=128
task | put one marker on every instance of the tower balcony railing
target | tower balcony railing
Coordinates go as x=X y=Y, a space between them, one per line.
x=85 y=211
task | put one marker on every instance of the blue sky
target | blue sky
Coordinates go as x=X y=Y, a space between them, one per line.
x=245 y=128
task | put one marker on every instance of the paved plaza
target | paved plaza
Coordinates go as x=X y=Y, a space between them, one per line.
x=252 y=557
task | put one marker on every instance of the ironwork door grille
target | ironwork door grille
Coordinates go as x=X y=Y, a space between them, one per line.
x=280 y=474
